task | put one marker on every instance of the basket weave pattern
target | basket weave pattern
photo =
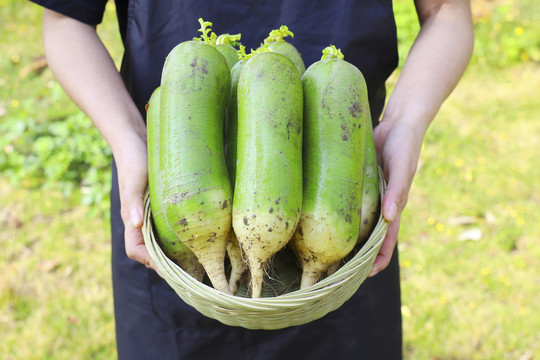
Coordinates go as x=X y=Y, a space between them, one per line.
x=290 y=309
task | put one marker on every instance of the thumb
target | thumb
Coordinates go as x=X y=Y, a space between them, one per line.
x=133 y=181
x=131 y=195
x=135 y=208
x=132 y=206
x=133 y=236
x=399 y=174
x=396 y=195
x=399 y=159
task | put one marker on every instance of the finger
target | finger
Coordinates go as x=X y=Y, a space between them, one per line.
x=379 y=135
x=133 y=181
x=396 y=194
x=136 y=249
x=387 y=248
x=133 y=237
x=132 y=215
x=400 y=173
x=132 y=204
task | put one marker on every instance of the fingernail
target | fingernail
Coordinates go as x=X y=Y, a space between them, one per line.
x=373 y=272
x=391 y=212
x=136 y=218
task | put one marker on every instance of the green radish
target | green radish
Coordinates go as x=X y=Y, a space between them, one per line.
x=370 y=196
x=370 y=192
x=335 y=116
x=166 y=237
x=238 y=265
x=275 y=43
x=225 y=44
x=197 y=194
x=231 y=122
x=268 y=190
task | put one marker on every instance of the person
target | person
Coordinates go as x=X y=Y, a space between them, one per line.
x=151 y=320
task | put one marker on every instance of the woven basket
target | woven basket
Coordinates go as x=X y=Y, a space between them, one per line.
x=293 y=307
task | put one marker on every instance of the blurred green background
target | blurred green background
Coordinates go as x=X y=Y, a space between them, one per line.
x=470 y=235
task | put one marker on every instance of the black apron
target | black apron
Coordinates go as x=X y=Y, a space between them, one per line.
x=151 y=320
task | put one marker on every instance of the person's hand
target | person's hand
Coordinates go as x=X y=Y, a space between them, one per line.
x=398 y=148
x=83 y=66
x=132 y=164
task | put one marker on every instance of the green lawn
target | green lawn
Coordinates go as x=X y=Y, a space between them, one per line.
x=470 y=236
x=469 y=242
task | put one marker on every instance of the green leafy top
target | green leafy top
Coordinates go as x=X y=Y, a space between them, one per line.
x=331 y=52
x=278 y=34
x=241 y=52
x=242 y=55
x=275 y=35
x=207 y=36
x=228 y=39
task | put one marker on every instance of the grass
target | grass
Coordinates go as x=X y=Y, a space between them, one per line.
x=469 y=242
x=55 y=300
x=474 y=297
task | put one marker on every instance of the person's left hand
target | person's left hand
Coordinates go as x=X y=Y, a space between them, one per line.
x=398 y=149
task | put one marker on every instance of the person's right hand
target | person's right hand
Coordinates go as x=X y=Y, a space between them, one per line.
x=132 y=165
x=83 y=66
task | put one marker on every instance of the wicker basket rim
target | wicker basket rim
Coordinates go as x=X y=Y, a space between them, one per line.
x=227 y=307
